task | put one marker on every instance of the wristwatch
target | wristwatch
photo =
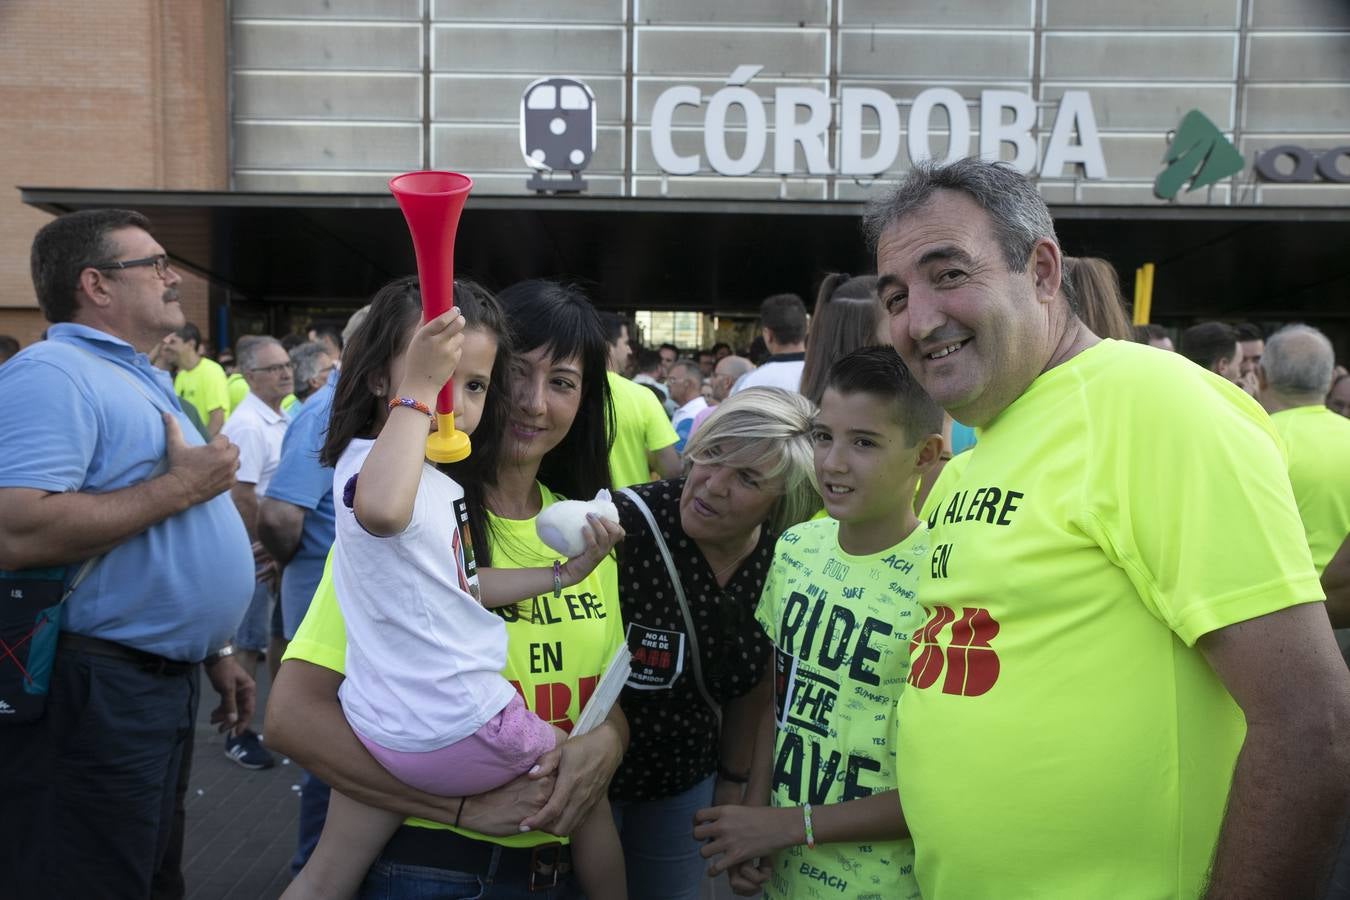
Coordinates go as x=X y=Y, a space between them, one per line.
x=213 y=658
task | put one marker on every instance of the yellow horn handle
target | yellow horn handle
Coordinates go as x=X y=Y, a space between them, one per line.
x=445 y=444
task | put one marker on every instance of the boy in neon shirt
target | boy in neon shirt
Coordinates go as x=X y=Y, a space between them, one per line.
x=840 y=603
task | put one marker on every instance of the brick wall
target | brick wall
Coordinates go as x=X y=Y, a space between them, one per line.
x=111 y=95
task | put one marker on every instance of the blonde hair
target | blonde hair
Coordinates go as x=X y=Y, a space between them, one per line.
x=1092 y=287
x=768 y=430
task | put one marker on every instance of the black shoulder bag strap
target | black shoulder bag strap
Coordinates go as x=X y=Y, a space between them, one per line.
x=695 y=660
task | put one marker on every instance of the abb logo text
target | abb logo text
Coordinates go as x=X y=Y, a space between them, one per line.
x=970 y=663
x=553 y=699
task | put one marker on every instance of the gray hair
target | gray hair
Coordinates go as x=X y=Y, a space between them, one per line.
x=1016 y=210
x=1298 y=361
x=305 y=358
x=354 y=323
x=246 y=352
x=769 y=430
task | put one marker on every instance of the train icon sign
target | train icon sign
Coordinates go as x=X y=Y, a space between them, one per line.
x=557 y=132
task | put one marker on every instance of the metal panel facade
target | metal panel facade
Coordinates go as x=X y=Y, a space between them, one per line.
x=340 y=94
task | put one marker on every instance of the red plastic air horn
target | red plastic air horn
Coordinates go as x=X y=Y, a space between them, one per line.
x=431 y=204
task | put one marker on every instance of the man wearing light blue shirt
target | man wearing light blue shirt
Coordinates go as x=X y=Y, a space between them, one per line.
x=97 y=461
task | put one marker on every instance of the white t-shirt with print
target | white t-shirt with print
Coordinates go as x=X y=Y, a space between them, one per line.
x=424 y=658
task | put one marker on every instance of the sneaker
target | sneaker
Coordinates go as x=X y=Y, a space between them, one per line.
x=247 y=750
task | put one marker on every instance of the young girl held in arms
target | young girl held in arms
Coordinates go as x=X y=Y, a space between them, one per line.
x=423 y=690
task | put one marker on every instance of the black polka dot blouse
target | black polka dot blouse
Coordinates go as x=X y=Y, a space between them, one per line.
x=674 y=737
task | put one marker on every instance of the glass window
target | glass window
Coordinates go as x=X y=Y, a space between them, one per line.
x=574 y=97
x=543 y=97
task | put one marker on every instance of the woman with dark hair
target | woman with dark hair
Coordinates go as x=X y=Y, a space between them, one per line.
x=848 y=316
x=500 y=844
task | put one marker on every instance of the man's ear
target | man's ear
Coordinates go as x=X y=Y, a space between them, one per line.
x=930 y=450
x=1047 y=266
x=92 y=288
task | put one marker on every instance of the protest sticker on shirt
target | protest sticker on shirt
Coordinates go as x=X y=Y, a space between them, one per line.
x=658 y=657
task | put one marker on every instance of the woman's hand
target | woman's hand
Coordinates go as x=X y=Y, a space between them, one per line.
x=584 y=767
x=433 y=354
x=747 y=879
x=601 y=535
x=499 y=811
x=735 y=834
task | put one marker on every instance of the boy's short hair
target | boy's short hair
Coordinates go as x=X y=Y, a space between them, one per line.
x=785 y=317
x=881 y=372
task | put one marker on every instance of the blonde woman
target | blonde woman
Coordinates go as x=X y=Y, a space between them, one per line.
x=700 y=672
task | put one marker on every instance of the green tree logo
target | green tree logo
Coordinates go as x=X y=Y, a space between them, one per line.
x=1198 y=152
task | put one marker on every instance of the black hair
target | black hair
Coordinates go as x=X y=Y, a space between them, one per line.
x=1207 y=343
x=1148 y=332
x=647 y=359
x=69 y=244
x=613 y=324
x=880 y=372
x=1247 y=331
x=483 y=311
x=785 y=317
x=291 y=341
x=721 y=345
x=190 y=334
x=669 y=346
x=9 y=345
x=561 y=320
x=332 y=332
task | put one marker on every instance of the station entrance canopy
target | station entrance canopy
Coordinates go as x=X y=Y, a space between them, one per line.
x=1273 y=263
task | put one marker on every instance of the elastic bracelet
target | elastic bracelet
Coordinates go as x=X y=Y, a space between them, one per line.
x=460 y=811
x=810 y=835
x=412 y=404
x=729 y=776
x=557 y=579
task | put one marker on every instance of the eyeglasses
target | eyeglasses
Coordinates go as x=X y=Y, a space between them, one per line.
x=274 y=370
x=160 y=262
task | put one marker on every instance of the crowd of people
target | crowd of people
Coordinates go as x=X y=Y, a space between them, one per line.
x=956 y=586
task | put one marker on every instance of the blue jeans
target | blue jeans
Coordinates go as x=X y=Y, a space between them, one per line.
x=659 y=850
x=256 y=627
x=313 y=812
x=392 y=881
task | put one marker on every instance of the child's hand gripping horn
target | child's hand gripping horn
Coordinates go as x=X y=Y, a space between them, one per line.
x=431 y=204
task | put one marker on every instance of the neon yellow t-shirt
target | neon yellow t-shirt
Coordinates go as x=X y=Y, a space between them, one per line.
x=841 y=628
x=1060 y=735
x=237 y=387
x=204 y=387
x=1318 y=443
x=556 y=650
x=640 y=425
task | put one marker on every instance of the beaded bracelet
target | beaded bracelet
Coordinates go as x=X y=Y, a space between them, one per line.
x=557 y=579
x=810 y=834
x=411 y=404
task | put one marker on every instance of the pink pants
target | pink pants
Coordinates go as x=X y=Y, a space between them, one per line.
x=508 y=744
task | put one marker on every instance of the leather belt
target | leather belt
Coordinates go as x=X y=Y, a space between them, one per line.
x=145 y=661
x=538 y=867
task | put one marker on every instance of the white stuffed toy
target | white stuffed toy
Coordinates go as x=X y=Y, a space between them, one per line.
x=562 y=526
